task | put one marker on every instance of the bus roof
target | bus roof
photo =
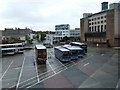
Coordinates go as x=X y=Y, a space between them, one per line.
x=62 y=49
x=8 y=48
x=72 y=47
x=10 y=44
x=40 y=47
x=79 y=43
x=66 y=45
x=77 y=47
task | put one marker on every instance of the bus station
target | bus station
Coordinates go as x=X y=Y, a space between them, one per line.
x=94 y=70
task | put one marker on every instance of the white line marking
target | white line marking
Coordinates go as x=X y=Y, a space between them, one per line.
x=36 y=70
x=34 y=77
x=86 y=64
x=102 y=54
x=6 y=70
x=51 y=67
x=58 y=60
x=20 y=74
x=55 y=74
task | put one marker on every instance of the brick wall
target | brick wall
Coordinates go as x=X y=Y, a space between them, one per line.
x=110 y=27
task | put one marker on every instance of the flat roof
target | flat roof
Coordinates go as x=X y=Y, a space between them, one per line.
x=40 y=47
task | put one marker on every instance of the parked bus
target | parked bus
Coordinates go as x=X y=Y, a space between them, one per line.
x=73 y=51
x=15 y=45
x=14 y=48
x=81 y=45
x=62 y=54
x=8 y=51
x=41 y=54
x=80 y=51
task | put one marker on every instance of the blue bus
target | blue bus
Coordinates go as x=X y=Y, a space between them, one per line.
x=62 y=54
x=80 y=51
x=81 y=45
x=73 y=51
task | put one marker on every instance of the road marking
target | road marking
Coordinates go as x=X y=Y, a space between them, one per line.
x=6 y=70
x=34 y=77
x=58 y=60
x=102 y=54
x=86 y=64
x=36 y=70
x=20 y=73
x=51 y=67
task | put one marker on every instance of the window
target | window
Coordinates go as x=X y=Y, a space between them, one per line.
x=98 y=18
x=105 y=21
x=98 y=22
x=92 y=29
x=89 y=28
x=105 y=27
x=98 y=28
x=101 y=28
x=102 y=17
x=101 y=21
x=95 y=28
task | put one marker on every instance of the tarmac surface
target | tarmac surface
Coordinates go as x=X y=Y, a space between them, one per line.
x=97 y=69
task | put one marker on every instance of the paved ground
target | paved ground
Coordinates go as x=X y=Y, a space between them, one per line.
x=98 y=69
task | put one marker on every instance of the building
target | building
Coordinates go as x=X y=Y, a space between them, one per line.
x=75 y=32
x=104 y=6
x=86 y=14
x=16 y=35
x=102 y=27
x=62 y=31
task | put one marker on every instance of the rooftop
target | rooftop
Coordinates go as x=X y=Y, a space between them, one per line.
x=40 y=47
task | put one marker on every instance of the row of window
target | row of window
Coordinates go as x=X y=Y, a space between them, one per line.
x=97 y=22
x=75 y=34
x=101 y=28
x=97 y=18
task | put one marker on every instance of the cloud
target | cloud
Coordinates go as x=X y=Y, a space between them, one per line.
x=45 y=14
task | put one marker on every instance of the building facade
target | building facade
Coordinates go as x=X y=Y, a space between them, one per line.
x=10 y=35
x=62 y=31
x=75 y=32
x=102 y=27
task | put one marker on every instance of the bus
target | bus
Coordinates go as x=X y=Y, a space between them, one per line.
x=16 y=48
x=11 y=45
x=62 y=54
x=8 y=51
x=81 y=45
x=41 y=54
x=80 y=51
x=73 y=51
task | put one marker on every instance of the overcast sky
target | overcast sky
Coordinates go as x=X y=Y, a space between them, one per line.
x=45 y=14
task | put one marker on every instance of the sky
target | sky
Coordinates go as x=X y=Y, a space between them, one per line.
x=43 y=15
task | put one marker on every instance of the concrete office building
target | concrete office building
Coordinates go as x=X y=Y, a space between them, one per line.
x=75 y=32
x=102 y=27
x=62 y=31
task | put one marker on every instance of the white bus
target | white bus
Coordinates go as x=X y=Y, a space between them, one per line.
x=14 y=48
